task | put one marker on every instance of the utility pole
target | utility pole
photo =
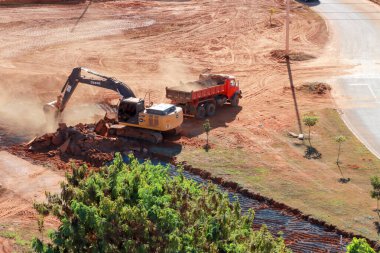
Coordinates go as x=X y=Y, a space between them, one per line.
x=287 y=2
x=287 y=21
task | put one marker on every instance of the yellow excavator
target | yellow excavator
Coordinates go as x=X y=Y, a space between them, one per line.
x=134 y=119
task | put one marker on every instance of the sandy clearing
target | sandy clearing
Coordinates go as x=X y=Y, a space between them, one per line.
x=26 y=180
x=175 y=42
x=23 y=183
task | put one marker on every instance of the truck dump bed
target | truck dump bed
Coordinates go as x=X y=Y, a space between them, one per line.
x=187 y=92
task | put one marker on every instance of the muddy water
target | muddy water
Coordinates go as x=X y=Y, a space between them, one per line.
x=299 y=235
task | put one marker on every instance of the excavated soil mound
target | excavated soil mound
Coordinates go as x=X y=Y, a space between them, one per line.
x=293 y=56
x=88 y=144
x=316 y=88
x=81 y=142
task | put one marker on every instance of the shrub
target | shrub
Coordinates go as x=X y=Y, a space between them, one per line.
x=138 y=207
x=359 y=246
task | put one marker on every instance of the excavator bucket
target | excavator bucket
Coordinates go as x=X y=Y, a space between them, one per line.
x=51 y=113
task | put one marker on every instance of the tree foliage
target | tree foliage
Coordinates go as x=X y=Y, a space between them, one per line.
x=271 y=11
x=310 y=121
x=375 y=192
x=340 y=139
x=207 y=128
x=138 y=207
x=359 y=246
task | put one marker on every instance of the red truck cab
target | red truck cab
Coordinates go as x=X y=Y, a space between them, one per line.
x=201 y=98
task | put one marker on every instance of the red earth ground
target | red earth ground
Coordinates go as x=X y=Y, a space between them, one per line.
x=151 y=45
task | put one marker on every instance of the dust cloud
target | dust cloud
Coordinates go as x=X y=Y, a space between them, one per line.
x=174 y=72
x=178 y=75
x=21 y=114
x=88 y=104
x=84 y=113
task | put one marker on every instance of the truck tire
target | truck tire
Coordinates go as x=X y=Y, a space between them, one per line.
x=210 y=109
x=235 y=100
x=220 y=101
x=201 y=112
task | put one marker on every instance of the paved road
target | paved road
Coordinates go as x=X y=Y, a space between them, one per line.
x=355 y=30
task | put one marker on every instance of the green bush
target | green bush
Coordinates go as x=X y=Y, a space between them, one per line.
x=359 y=246
x=138 y=207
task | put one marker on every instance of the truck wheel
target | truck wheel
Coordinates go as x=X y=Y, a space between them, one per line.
x=201 y=112
x=220 y=101
x=235 y=100
x=210 y=110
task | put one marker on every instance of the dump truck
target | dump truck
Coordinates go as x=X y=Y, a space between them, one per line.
x=134 y=119
x=201 y=98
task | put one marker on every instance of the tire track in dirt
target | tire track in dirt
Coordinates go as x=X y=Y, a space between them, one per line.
x=6 y=245
x=22 y=183
x=41 y=39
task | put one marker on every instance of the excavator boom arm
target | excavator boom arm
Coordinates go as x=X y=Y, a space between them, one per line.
x=104 y=82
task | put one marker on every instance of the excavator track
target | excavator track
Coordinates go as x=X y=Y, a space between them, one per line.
x=135 y=133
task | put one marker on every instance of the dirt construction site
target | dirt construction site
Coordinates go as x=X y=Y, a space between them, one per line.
x=151 y=45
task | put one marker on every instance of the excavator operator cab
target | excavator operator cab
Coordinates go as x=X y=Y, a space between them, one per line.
x=129 y=109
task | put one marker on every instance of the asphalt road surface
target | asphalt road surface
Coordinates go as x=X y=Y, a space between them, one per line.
x=355 y=32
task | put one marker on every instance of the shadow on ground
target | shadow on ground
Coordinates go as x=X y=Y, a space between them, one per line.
x=309 y=3
x=81 y=16
x=377 y=226
x=312 y=153
x=291 y=83
x=192 y=127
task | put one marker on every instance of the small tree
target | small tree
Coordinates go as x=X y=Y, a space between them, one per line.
x=359 y=246
x=272 y=11
x=42 y=213
x=310 y=121
x=375 y=193
x=207 y=128
x=339 y=139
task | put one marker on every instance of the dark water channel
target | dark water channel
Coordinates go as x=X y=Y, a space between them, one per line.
x=299 y=235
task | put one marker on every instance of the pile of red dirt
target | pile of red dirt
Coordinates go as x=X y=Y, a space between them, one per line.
x=316 y=88
x=88 y=144
x=80 y=142
x=293 y=56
